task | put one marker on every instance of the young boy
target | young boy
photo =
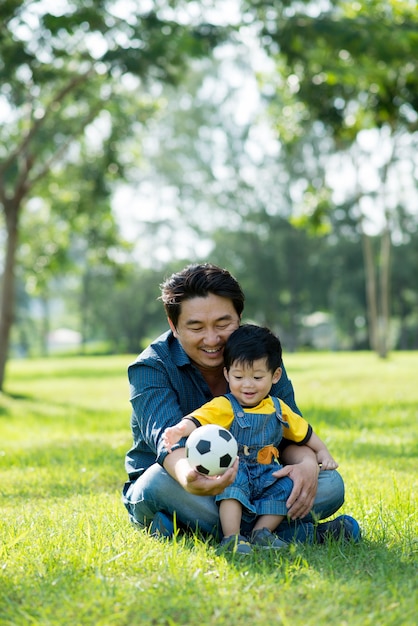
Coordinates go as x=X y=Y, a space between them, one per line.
x=252 y=364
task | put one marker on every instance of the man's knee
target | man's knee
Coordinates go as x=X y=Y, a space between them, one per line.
x=141 y=498
x=330 y=494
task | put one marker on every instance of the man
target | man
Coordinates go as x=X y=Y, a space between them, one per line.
x=179 y=372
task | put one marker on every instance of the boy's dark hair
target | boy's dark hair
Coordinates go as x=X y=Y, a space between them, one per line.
x=249 y=343
x=198 y=281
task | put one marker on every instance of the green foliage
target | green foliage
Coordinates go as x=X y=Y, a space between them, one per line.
x=287 y=273
x=132 y=314
x=70 y=557
x=72 y=79
x=350 y=68
x=355 y=63
x=81 y=81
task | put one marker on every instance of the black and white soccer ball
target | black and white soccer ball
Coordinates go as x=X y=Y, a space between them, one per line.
x=211 y=449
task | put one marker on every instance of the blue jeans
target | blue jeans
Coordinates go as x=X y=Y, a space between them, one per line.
x=156 y=491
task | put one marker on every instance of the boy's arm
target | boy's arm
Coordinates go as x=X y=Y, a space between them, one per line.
x=323 y=455
x=173 y=434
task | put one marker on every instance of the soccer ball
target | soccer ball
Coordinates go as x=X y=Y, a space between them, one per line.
x=211 y=449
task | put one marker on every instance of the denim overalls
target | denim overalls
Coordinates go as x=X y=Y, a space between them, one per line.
x=259 y=492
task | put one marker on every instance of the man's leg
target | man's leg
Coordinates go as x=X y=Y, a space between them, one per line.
x=329 y=498
x=157 y=491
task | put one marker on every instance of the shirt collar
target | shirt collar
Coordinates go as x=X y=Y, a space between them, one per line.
x=179 y=355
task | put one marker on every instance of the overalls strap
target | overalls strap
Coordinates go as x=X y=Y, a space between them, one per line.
x=279 y=411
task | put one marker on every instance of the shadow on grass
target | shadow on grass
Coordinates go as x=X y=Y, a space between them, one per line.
x=90 y=427
x=363 y=570
x=380 y=452
x=4 y=410
x=63 y=469
x=59 y=414
x=18 y=396
x=77 y=367
x=305 y=583
x=361 y=417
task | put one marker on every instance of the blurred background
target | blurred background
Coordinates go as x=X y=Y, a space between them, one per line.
x=277 y=139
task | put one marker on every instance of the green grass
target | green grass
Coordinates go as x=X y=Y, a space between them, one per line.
x=69 y=557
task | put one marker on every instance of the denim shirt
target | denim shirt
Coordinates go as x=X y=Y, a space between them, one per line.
x=164 y=387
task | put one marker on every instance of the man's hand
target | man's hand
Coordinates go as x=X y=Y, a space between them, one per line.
x=201 y=485
x=192 y=481
x=304 y=474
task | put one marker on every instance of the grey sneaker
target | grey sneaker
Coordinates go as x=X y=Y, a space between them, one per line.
x=264 y=538
x=344 y=528
x=237 y=544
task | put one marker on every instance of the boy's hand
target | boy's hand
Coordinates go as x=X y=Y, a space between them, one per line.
x=326 y=461
x=173 y=434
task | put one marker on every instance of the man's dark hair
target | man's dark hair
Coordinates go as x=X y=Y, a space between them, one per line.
x=249 y=343
x=198 y=281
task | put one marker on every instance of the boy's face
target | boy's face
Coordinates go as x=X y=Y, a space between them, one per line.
x=251 y=383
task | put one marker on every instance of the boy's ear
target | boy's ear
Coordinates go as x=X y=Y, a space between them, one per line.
x=277 y=375
x=226 y=374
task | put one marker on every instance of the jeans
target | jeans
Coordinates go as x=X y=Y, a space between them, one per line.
x=156 y=491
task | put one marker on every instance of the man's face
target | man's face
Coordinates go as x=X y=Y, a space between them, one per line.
x=203 y=327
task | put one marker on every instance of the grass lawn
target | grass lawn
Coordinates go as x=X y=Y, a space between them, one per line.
x=68 y=555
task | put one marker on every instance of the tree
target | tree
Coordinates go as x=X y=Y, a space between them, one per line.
x=354 y=69
x=64 y=70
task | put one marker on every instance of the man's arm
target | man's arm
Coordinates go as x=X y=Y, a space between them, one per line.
x=302 y=467
x=178 y=467
x=283 y=389
x=160 y=397
x=300 y=462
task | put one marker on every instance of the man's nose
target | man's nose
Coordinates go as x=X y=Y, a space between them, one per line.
x=212 y=337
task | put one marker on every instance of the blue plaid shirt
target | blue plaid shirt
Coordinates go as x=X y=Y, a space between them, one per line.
x=165 y=386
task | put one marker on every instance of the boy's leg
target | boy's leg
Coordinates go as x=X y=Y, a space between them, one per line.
x=230 y=514
x=271 y=522
x=156 y=491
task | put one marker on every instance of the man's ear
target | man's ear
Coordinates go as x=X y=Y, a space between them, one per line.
x=173 y=328
x=277 y=375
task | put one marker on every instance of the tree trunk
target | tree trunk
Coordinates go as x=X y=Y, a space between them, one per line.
x=384 y=308
x=371 y=291
x=45 y=325
x=377 y=292
x=8 y=287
